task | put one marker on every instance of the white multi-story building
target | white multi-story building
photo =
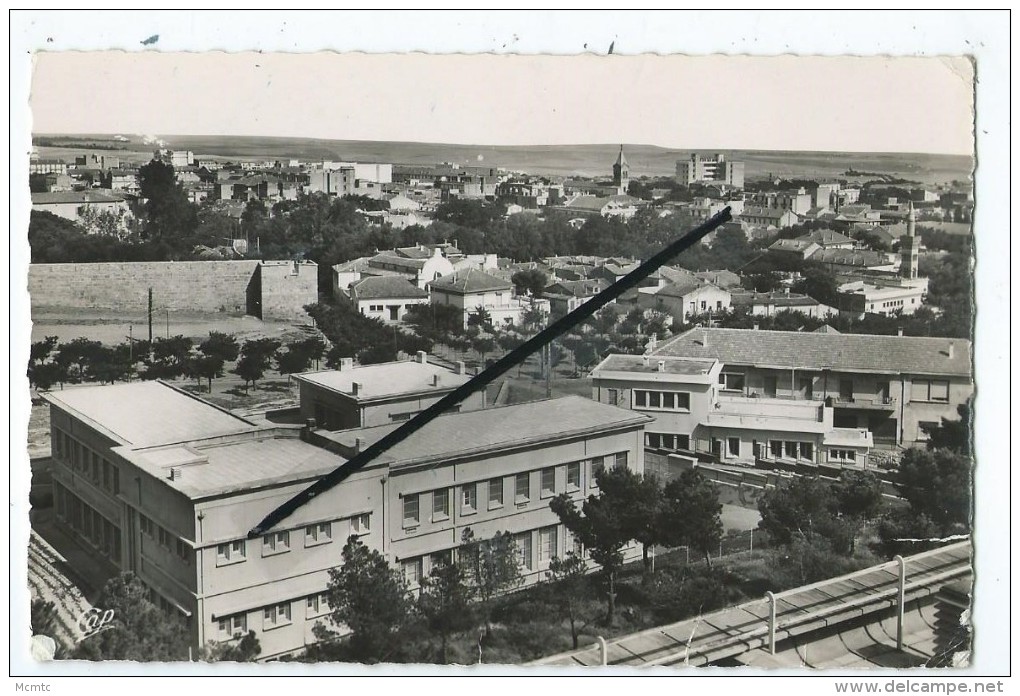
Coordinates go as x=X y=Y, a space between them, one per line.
x=710 y=170
x=158 y=482
x=697 y=411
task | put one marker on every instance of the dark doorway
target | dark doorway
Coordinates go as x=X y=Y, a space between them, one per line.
x=253 y=294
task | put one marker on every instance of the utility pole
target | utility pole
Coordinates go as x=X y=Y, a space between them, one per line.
x=150 y=322
x=549 y=370
x=168 y=324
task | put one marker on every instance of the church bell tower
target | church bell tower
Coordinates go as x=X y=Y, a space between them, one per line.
x=621 y=173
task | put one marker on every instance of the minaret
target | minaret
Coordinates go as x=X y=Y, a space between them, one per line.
x=621 y=173
x=908 y=248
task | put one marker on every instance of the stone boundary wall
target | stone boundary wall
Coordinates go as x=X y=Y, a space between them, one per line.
x=270 y=289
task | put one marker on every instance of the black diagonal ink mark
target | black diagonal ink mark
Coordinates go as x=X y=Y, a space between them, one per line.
x=504 y=364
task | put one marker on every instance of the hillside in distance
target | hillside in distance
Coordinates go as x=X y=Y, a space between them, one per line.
x=549 y=160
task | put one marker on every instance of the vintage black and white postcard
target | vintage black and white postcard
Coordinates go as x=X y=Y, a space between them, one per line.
x=349 y=359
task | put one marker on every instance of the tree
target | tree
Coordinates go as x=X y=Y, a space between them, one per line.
x=568 y=592
x=106 y=223
x=639 y=501
x=256 y=356
x=530 y=281
x=952 y=434
x=435 y=321
x=533 y=319
x=139 y=630
x=600 y=526
x=480 y=318
x=77 y=357
x=603 y=322
x=490 y=567
x=370 y=599
x=937 y=485
x=171 y=357
x=798 y=504
x=247 y=649
x=169 y=213
x=818 y=284
x=207 y=367
x=858 y=498
x=483 y=345
x=112 y=364
x=43 y=618
x=250 y=368
x=220 y=344
x=691 y=514
x=445 y=603
x=292 y=359
x=43 y=374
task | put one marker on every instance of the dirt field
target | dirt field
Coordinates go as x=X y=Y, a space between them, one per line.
x=111 y=327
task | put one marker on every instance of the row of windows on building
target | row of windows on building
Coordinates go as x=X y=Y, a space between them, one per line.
x=87 y=523
x=279 y=542
x=777 y=449
x=99 y=470
x=166 y=539
x=467 y=494
x=662 y=400
x=277 y=615
x=894 y=303
x=418 y=567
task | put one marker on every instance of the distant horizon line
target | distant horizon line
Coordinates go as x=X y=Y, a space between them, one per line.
x=170 y=136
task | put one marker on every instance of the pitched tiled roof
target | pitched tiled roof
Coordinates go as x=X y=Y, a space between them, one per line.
x=681 y=287
x=470 y=281
x=825 y=237
x=850 y=257
x=841 y=352
x=723 y=278
x=390 y=259
x=773 y=213
x=380 y=287
x=799 y=245
x=592 y=203
x=577 y=288
x=80 y=197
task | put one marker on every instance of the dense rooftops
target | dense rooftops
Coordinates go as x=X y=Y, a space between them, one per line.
x=845 y=352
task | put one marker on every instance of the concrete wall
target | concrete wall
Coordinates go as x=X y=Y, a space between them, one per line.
x=288 y=286
x=279 y=290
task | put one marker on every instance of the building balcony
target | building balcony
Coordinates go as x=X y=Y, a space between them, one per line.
x=849 y=438
x=785 y=415
x=865 y=403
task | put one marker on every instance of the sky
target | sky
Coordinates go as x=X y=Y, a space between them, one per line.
x=855 y=104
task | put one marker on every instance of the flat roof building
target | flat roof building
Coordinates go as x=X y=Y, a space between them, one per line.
x=697 y=412
x=160 y=483
x=369 y=395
